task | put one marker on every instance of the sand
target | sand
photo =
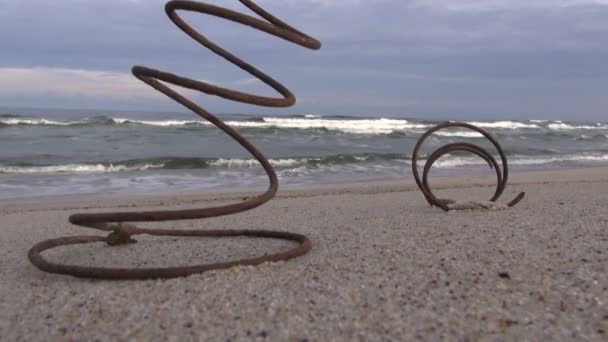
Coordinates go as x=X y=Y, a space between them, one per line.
x=384 y=266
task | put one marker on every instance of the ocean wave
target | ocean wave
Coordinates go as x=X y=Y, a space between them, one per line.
x=35 y=122
x=161 y=123
x=594 y=137
x=247 y=163
x=16 y=120
x=308 y=161
x=356 y=126
x=361 y=126
x=562 y=159
x=565 y=126
x=467 y=134
x=362 y=161
x=348 y=125
x=179 y=163
x=503 y=124
x=309 y=121
x=454 y=161
x=73 y=168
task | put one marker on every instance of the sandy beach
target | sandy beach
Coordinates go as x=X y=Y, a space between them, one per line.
x=384 y=266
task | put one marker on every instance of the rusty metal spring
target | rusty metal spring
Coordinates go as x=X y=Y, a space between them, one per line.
x=502 y=174
x=114 y=222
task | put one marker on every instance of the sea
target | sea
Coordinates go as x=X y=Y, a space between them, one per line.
x=49 y=153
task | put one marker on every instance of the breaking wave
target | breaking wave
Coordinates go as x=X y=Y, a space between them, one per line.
x=370 y=160
x=564 y=126
x=504 y=124
x=343 y=124
x=454 y=162
x=191 y=164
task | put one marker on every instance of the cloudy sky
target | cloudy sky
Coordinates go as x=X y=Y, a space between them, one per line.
x=541 y=59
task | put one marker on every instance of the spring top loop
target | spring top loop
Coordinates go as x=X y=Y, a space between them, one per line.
x=152 y=77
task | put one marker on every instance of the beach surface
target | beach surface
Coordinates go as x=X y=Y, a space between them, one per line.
x=384 y=266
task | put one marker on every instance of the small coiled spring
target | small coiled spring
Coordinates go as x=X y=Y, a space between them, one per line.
x=114 y=222
x=502 y=174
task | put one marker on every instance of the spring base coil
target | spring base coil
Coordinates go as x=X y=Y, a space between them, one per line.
x=121 y=233
x=304 y=245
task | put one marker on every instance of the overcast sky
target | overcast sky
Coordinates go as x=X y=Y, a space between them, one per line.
x=526 y=59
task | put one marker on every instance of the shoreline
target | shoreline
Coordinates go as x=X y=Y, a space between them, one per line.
x=85 y=184
x=597 y=173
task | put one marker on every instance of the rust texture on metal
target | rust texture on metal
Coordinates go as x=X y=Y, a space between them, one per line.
x=121 y=233
x=502 y=171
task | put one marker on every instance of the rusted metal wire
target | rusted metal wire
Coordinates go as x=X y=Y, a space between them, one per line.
x=502 y=173
x=114 y=222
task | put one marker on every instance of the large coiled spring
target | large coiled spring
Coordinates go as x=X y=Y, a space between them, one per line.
x=502 y=174
x=114 y=222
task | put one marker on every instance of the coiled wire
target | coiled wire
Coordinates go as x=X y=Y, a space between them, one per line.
x=502 y=173
x=114 y=222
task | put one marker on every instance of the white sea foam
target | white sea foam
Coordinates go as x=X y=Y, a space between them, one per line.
x=108 y=168
x=162 y=123
x=75 y=168
x=503 y=124
x=364 y=126
x=291 y=167
x=595 y=136
x=37 y=122
x=460 y=134
x=449 y=161
x=245 y=163
x=312 y=121
x=221 y=163
x=558 y=125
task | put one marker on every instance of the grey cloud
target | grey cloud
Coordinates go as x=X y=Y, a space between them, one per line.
x=444 y=58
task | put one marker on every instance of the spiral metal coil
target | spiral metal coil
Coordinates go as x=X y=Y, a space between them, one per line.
x=114 y=222
x=502 y=173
